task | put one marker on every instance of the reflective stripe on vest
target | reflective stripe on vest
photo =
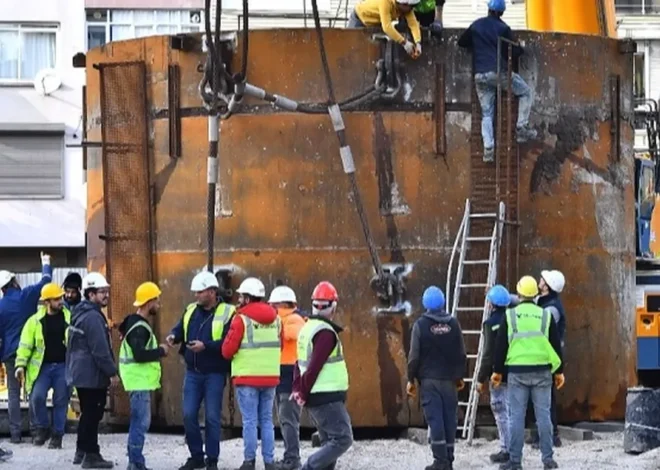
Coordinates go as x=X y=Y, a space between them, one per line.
x=142 y=376
x=260 y=350
x=334 y=374
x=223 y=313
x=515 y=334
x=528 y=337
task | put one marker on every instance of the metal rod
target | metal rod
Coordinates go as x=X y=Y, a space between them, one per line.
x=509 y=137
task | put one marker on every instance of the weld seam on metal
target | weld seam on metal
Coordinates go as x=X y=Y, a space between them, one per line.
x=335 y=116
x=285 y=103
x=347 y=159
x=212 y=170
x=213 y=128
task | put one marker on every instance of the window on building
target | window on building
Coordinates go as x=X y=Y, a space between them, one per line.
x=114 y=25
x=637 y=7
x=25 y=50
x=639 y=73
x=32 y=165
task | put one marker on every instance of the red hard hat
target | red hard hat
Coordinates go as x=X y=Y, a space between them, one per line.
x=325 y=291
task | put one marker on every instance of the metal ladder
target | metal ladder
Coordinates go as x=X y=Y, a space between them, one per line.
x=461 y=247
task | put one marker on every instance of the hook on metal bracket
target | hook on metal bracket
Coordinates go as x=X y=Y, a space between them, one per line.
x=391 y=288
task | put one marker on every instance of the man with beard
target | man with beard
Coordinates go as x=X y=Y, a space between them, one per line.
x=72 y=285
x=40 y=361
x=139 y=367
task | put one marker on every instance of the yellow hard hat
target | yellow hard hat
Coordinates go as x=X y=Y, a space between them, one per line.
x=145 y=292
x=51 y=291
x=527 y=287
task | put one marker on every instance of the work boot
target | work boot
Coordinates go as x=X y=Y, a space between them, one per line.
x=16 y=439
x=40 y=437
x=211 y=464
x=500 y=457
x=55 y=442
x=556 y=441
x=523 y=134
x=489 y=155
x=192 y=464
x=549 y=464
x=78 y=457
x=5 y=455
x=137 y=466
x=96 y=461
x=511 y=466
x=438 y=465
x=248 y=465
x=288 y=465
x=270 y=466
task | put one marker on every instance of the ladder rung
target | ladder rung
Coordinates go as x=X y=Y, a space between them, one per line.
x=479 y=239
x=463 y=403
x=470 y=309
x=467 y=380
x=477 y=261
x=472 y=356
x=474 y=285
x=485 y=215
x=471 y=332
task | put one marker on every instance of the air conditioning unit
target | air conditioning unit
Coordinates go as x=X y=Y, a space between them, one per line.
x=195 y=17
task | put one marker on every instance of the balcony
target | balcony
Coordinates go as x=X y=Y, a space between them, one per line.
x=637 y=7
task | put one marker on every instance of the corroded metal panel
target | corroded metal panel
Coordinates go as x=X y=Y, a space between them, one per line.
x=288 y=214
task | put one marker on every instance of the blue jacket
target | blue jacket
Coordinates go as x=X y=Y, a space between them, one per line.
x=16 y=306
x=482 y=37
x=210 y=360
x=552 y=303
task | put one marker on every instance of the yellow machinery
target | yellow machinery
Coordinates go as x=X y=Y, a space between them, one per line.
x=595 y=17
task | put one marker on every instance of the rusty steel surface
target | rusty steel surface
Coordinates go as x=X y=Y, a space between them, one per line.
x=287 y=213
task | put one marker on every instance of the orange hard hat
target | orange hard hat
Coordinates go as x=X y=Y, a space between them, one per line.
x=325 y=291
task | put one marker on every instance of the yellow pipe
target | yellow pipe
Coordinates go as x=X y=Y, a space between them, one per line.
x=539 y=15
x=578 y=17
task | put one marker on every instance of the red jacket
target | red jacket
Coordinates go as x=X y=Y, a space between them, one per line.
x=262 y=313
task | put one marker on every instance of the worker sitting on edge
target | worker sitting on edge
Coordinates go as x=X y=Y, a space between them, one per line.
x=320 y=381
x=482 y=38
x=139 y=367
x=437 y=360
x=283 y=298
x=527 y=348
x=253 y=346
x=498 y=298
x=429 y=15
x=369 y=13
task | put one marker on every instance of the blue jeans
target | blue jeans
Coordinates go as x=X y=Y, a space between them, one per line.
x=523 y=386
x=486 y=85
x=208 y=388
x=256 y=404
x=50 y=376
x=499 y=405
x=139 y=425
x=440 y=404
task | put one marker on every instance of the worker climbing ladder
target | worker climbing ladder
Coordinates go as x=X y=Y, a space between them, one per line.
x=470 y=277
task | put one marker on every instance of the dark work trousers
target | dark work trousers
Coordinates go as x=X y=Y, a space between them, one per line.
x=92 y=407
x=531 y=418
x=440 y=404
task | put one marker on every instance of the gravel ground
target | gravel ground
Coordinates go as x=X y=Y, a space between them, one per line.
x=167 y=452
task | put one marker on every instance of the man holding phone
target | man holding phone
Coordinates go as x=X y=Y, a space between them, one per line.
x=201 y=332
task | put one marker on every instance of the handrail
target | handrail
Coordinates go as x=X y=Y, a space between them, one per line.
x=466 y=216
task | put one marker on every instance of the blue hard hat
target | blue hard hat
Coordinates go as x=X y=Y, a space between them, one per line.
x=497 y=5
x=433 y=298
x=499 y=296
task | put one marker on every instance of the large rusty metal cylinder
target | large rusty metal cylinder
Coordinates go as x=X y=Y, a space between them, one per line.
x=285 y=209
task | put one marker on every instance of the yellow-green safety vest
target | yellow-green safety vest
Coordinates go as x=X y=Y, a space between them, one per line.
x=334 y=374
x=32 y=346
x=138 y=376
x=528 y=333
x=223 y=313
x=260 y=350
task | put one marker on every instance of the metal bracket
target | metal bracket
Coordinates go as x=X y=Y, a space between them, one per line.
x=174 y=108
x=392 y=291
x=184 y=42
x=627 y=46
x=615 y=117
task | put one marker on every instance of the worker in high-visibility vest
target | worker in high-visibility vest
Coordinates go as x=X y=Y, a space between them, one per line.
x=201 y=331
x=321 y=379
x=528 y=349
x=253 y=345
x=139 y=367
x=40 y=361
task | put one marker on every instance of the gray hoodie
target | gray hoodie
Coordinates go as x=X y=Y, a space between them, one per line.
x=89 y=359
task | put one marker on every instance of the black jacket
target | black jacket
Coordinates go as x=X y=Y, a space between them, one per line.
x=490 y=329
x=137 y=340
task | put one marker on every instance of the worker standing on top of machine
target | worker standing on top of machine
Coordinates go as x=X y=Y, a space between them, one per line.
x=482 y=37
x=498 y=299
x=437 y=360
x=201 y=331
x=16 y=306
x=320 y=381
x=283 y=298
x=139 y=367
x=429 y=15
x=527 y=348
x=370 y=13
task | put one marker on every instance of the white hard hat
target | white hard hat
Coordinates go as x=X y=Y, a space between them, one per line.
x=6 y=277
x=408 y=2
x=282 y=294
x=94 y=281
x=204 y=280
x=554 y=279
x=252 y=286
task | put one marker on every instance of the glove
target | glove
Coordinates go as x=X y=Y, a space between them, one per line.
x=417 y=51
x=45 y=258
x=480 y=387
x=460 y=385
x=496 y=380
x=409 y=48
x=436 y=28
x=559 y=381
x=411 y=390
